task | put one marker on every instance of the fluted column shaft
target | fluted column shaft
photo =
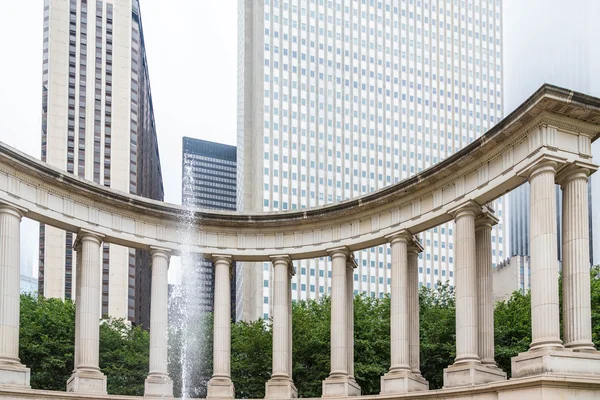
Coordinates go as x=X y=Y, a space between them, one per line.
x=78 y=260
x=412 y=293
x=222 y=318
x=88 y=308
x=466 y=286
x=291 y=273
x=10 y=247
x=485 y=288
x=545 y=331
x=400 y=358
x=159 y=299
x=350 y=265
x=577 y=326
x=281 y=318
x=339 y=316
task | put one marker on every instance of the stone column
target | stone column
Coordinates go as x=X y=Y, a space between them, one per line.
x=485 y=286
x=350 y=266
x=12 y=372
x=547 y=355
x=577 y=328
x=87 y=377
x=412 y=292
x=467 y=368
x=545 y=329
x=220 y=385
x=158 y=383
x=338 y=383
x=280 y=386
x=400 y=378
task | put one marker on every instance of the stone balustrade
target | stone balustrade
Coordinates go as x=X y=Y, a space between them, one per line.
x=545 y=141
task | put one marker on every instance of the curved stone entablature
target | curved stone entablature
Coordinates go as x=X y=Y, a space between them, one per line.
x=553 y=123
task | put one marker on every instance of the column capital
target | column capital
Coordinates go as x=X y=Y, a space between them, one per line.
x=87 y=235
x=415 y=245
x=351 y=262
x=403 y=235
x=575 y=170
x=6 y=208
x=467 y=207
x=543 y=162
x=284 y=259
x=486 y=219
x=342 y=251
x=160 y=252
x=222 y=258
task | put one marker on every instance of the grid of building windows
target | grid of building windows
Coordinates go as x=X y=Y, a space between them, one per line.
x=354 y=96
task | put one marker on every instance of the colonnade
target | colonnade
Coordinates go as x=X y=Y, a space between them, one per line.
x=474 y=363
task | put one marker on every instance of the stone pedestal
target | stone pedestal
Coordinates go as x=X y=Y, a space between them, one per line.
x=470 y=374
x=555 y=361
x=340 y=386
x=87 y=381
x=220 y=388
x=158 y=386
x=15 y=374
x=403 y=382
x=280 y=388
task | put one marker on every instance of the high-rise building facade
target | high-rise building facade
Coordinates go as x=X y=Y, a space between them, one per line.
x=337 y=99
x=209 y=182
x=98 y=123
x=537 y=54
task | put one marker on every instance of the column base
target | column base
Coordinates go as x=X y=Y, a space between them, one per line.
x=15 y=375
x=220 y=388
x=403 y=382
x=471 y=374
x=555 y=361
x=336 y=386
x=84 y=381
x=280 y=388
x=158 y=386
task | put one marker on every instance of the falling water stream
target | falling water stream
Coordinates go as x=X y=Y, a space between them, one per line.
x=184 y=305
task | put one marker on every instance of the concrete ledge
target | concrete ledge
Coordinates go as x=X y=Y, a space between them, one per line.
x=403 y=382
x=340 y=386
x=558 y=361
x=280 y=388
x=470 y=374
x=14 y=374
x=83 y=381
x=220 y=388
x=158 y=386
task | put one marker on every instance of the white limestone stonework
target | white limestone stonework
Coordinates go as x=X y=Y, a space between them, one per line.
x=220 y=385
x=401 y=378
x=546 y=140
x=158 y=383
x=281 y=386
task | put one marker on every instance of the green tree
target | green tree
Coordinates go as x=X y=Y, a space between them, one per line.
x=251 y=355
x=124 y=357
x=438 y=332
x=512 y=328
x=47 y=340
x=595 y=290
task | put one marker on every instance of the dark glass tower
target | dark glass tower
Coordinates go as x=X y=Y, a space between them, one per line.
x=209 y=182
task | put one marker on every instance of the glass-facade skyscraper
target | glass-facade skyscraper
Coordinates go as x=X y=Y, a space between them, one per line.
x=338 y=99
x=98 y=123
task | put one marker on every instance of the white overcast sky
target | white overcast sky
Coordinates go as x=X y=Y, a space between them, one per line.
x=191 y=48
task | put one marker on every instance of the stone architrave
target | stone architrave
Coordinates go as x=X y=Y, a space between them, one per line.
x=12 y=372
x=339 y=384
x=467 y=369
x=401 y=378
x=281 y=386
x=158 y=383
x=220 y=385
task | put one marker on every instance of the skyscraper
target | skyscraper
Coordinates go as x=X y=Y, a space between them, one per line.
x=98 y=123
x=338 y=99
x=538 y=54
x=209 y=182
